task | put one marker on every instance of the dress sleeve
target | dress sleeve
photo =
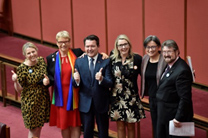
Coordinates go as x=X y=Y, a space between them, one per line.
x=137 y=63
x=21 y=75
x=43 y=65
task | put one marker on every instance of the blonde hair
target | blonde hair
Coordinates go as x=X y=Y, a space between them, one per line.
x=63 y=34
x=28 y=45
x=115 y=51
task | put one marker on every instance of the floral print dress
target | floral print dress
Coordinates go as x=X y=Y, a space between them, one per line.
x=125 y=102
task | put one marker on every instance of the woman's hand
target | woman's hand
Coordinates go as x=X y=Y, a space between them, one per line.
x=14 y=76
x=17 y=86
x=82 y=55
x=104 y=55
x=46 y=80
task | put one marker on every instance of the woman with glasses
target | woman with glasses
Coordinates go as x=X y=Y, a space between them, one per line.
x=64 y=108
x=153 y=66
x=126 y=108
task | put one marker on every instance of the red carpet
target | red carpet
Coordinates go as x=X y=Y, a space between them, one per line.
x=10 y=115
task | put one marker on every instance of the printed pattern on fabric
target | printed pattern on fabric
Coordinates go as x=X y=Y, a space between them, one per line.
x=125 y=102
x=35 y=99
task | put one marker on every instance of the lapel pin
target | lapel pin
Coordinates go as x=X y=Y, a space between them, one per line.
x=30 y=70
x=168 y=74
x=135 y=67
x=53 y=59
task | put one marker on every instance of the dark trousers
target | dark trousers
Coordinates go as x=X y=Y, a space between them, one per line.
x=88 y=122
x=153 y=112
x=163 y=123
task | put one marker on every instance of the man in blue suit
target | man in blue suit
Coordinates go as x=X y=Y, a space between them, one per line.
x=93 y=77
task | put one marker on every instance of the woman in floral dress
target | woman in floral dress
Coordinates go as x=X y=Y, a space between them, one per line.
x=126 y=107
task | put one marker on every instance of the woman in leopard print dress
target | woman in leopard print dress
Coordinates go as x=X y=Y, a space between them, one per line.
x=31 y=81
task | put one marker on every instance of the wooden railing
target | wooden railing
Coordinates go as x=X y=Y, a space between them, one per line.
x=14 y=63
x=200 y=121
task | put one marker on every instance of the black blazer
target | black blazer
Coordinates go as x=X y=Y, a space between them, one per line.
x=51 y=63
x=174 y=93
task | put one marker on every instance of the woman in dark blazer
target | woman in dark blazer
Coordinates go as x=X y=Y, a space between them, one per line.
x=153 y=65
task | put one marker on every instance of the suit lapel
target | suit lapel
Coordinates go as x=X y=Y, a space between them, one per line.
x=168 y=74
x=98 y=63
x=145 y=61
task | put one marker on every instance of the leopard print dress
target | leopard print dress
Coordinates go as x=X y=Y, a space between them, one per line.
x=35 y=100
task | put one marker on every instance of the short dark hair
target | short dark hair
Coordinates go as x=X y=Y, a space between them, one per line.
x=170 y=43
x=152 y=38
x=92 y=37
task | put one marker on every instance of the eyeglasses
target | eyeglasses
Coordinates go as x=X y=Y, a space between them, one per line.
x=167 y=52
x=151 y=47
x=123 y=45
x=62 y=42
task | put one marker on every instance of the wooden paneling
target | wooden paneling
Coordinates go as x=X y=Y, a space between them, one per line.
x=109 y=18
x=26 y=17
x=165 y=19
x=125 y=17
x=197 y=32
x=89 y=18
x=56 y=16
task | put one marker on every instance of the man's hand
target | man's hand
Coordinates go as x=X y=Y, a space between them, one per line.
x=46 y=80
x=98 y=75
x=76 y=76
x=176 y=123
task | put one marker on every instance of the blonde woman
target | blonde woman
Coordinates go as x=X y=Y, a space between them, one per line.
x=126 y=108
x=64 y=108
x=31 y=80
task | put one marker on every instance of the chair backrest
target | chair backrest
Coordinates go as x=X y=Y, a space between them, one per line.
x=6 y=22
x=2 y=130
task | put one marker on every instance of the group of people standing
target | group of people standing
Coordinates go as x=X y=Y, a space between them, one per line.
x=89 y=87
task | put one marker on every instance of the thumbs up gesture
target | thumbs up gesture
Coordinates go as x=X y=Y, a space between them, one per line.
x=46 y=80
x=98 y=75
x=14 y=76
x=76 y=76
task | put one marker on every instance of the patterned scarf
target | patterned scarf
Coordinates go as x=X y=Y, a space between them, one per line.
x=57 y=100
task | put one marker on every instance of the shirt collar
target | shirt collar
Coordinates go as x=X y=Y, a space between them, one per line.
x=95 y=58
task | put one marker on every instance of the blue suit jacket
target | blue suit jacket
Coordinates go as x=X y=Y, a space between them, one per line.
x=90 y=90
